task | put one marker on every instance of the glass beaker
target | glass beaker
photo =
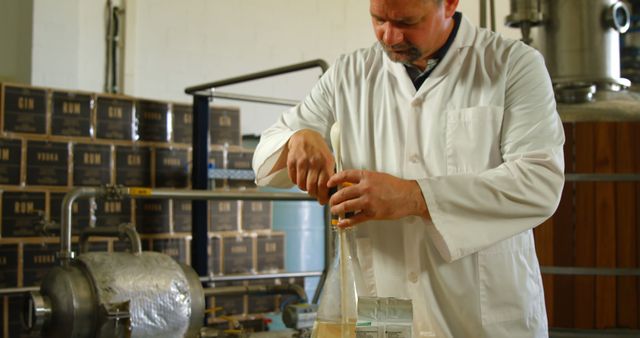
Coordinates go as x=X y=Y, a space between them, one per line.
x=338 y=305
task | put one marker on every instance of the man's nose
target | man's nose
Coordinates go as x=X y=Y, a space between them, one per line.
x=392 y=35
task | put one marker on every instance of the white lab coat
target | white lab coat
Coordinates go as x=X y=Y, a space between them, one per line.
x=484 y=141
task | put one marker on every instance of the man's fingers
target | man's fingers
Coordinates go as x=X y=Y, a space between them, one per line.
x=312 y=183
x=323 y=191
x=347 y=192
x=353 y=220
x=291 y=169
x=301 y=178
x=352 y=176
x=349 y=205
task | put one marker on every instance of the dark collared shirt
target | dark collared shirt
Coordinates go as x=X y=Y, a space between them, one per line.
x=418 y=77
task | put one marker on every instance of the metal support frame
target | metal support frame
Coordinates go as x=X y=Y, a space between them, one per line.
x=202 y=95
x=200 y=181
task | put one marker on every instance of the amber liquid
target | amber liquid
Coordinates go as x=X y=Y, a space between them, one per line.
x=333 y=330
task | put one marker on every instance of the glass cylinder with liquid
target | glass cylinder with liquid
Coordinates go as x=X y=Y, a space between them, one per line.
x=338 y=304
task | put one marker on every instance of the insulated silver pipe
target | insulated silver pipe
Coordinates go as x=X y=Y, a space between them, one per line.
x=118 y=192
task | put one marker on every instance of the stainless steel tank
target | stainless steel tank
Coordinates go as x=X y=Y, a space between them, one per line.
x=580 y=41
x=99 y=294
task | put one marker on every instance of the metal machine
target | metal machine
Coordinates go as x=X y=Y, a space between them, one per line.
x=136 y=293
x=580 y=41
x=100 y=294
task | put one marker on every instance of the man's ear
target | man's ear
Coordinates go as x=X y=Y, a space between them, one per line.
x=450 y=7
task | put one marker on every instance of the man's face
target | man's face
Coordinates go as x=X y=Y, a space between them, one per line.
x=412 y=30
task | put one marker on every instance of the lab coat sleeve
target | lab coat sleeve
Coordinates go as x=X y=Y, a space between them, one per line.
x=475 y=211
x=314 y=112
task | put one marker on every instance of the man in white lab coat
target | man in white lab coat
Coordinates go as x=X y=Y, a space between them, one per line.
x=452 y=141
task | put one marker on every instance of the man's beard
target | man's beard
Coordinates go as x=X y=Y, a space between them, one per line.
x=404 y=53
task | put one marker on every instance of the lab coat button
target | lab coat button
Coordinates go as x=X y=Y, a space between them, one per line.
x=416 y=103
x=414 y=158
x=413 y=277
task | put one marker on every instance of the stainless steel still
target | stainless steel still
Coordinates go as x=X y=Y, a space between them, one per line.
x=579 y=40
x=99 y=294
x=118 y=295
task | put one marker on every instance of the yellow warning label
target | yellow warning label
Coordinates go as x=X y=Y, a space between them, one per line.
x=140 y=191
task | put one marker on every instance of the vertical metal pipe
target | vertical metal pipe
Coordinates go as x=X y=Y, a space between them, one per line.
x=65 y=254
x=107 y=70
x=492 y=9
x=483 y=13
x=200 y=181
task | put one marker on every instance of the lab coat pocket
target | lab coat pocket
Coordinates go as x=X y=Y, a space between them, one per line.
x=510 y=285
x=473 y=139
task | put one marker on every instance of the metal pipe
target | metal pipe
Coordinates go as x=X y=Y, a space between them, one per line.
x=253 y=98
x=14 y=291
x=257 y=290
x=578 y=271
x=123 y=230
x=116 y=192
x=215 y=194
x=66 y=254
x=483 y=13
x=265 y=276
x=492 y=8
x=197 y=89
x=602 y=177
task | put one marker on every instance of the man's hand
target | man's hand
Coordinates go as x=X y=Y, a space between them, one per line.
x=310 y=163
x=375 y=196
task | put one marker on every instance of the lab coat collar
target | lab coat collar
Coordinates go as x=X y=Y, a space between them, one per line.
x=464 y=38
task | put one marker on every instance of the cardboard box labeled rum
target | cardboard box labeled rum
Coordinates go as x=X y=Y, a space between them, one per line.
x=71 y=114
x=20 y=213
x=91 y=165
x=112 y=213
